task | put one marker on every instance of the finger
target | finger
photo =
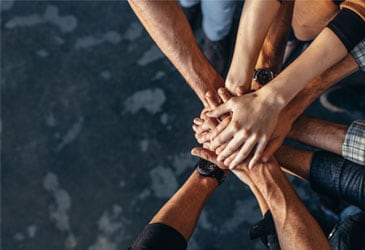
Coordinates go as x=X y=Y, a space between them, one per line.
x=220 y=148
x=224 y=137
x=258 y=152
x=242 y=90
x=209 y=124
x=207 y=155
x=198 y=121
x=199 y=129
x=224 y=94
x=219 y=111
x=212 y=99
x=220 y=127
x=244 y=151
x=233 y=145
x=202 y=138
x=228 y=161
x=271 y=148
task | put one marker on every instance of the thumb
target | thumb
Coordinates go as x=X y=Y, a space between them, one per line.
x=270 y=149
x=207 y=155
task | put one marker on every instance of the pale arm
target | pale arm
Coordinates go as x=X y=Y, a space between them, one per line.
x=311 y=92
x=250 y=37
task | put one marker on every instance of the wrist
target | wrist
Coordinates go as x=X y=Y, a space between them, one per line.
x=272 y=97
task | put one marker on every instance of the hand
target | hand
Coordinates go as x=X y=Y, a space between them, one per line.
x=282 y=129
x=253 y=121
x=204 y=125
x=210 y=156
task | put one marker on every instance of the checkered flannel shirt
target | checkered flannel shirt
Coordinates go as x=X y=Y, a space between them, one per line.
x=353 y=149
x=359 y=54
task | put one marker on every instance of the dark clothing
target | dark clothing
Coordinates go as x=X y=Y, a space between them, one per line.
x=159 y=236
x=349 y=28
x=349 y=233
x=334 y=176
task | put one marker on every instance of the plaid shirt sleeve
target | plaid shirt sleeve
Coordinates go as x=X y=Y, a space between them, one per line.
x=353 y=149
x=359 y=54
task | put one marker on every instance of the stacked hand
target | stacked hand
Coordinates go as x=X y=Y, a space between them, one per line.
x=240 y=127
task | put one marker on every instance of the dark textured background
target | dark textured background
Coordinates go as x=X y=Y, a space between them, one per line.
x=96 y=133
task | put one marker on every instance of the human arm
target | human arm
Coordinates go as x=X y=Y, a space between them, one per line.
x=250 y=37
x=295 y=227
x=169 y=28
x=174 y=223
x=310 y=93
x=273 y=48
x=327 y=173
x=270 y=100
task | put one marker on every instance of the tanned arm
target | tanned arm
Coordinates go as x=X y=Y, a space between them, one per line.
x=169 y=28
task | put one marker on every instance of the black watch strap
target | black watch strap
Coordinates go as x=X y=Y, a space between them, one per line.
x=208 y=169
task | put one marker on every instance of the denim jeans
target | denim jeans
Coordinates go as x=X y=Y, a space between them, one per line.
x=217 y=16
x=334 y=176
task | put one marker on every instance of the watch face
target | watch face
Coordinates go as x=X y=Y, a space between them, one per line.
x=264 y=76
x=206 y=168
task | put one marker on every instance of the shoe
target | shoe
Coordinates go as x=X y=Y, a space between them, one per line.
x=217 y=53
x=192 y=13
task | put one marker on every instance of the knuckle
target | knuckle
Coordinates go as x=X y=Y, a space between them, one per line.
x=235 y=125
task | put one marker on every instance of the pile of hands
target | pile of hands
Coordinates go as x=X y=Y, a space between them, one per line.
x=239 y=130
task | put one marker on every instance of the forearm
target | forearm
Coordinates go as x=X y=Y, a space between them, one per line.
x=182 y=211
x=295 y=161
x=251 y=34
x=324 y=52
x=169 y=28
x=319 y=85
x=296 y=228
x=273 y=48
x=322 y=134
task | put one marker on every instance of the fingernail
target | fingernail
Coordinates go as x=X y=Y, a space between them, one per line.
x=232 y=165
x=251 y=165
x=264 y=159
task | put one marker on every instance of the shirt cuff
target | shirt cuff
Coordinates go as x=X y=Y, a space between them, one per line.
x=348 y=27
x=353 y=148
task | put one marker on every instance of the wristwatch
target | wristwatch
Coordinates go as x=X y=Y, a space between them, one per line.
x=263 y=75
x=208 y=169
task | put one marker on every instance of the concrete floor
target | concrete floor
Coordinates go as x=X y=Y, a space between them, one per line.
x=97 y=133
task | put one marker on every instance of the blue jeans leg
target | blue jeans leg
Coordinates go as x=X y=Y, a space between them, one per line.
x=217 y=18
x=188 y=3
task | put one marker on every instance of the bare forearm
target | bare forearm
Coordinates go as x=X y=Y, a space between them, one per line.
x=322 y=134
x=325 y=51
x=295 y=227
x=319 y=85
x=182 y=211
x=169 y=28
x=273 y=48
x=295 y=161
x=250 y=37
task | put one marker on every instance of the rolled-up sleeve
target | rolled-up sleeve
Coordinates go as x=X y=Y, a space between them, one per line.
x=353 y=148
